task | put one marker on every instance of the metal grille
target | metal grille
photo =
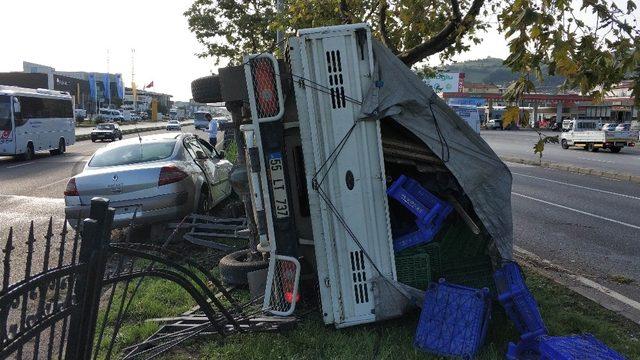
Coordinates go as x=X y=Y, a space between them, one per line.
x=265 y=89
x=282 y=281
x=359 y=275
x=336 y=82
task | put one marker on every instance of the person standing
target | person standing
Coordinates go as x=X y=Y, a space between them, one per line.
x=213 y=130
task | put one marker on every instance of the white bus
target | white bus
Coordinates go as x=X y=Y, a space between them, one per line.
x=35 y=120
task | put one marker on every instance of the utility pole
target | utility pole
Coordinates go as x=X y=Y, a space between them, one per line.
x=280 y=33
x=133 y=81
x=109 y=78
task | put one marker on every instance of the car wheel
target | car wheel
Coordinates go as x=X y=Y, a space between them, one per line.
x=564 y=144
x=120 y=137
x=93 y=140
x=235 y=267
x=204 y=203
x=615 y=149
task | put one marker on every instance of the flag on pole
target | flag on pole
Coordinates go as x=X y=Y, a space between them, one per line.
x=92 y=86
x=107 y=87
x=119 y=86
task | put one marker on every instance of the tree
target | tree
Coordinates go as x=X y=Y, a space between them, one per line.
x=594 y=46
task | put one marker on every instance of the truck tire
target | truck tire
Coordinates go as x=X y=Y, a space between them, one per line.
x=615 y=149
x=206 y=89
x=592 y=148
x=564 y=144
x=234 y=267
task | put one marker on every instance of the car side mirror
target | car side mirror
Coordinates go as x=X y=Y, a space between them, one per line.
x=221 y=154
x=200 y=155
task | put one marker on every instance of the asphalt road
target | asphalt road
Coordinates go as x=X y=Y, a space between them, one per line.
x=587 y=224
x=33 y=190
x=520 y=144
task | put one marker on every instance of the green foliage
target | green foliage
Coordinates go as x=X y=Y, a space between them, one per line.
x=228 y=28
x=538 y=148
x=594 y=47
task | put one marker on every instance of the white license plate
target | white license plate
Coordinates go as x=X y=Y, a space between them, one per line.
x=278 y=185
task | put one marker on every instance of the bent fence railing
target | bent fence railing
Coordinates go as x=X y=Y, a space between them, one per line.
x=56 y=305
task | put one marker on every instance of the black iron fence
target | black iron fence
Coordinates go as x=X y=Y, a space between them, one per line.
x=41 y=315
x=58 y=309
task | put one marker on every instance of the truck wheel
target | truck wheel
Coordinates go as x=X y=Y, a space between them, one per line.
x=206 y=89
x=615 y=149
x=564 y=144
x=235 y=266
x=592 y=148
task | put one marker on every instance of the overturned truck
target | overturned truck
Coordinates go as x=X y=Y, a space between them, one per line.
x=324 y=136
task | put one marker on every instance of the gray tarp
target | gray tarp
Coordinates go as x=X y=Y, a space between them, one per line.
x=399 y=93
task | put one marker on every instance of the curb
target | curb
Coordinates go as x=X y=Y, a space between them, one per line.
x=575 y=169
x=571 y=281
x=83 y=137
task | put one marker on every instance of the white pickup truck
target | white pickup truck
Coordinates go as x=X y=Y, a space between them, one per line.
x=585 y=133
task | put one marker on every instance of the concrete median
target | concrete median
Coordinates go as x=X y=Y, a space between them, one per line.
x=82 y=137
x=575 y=169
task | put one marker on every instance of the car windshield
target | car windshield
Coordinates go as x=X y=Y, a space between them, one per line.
x=105 y=127
x=133 y=153
x=5 y=113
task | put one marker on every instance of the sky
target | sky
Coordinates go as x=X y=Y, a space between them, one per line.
x=76 y=35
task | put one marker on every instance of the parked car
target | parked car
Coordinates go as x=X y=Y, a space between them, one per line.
x=155 y=178
x=109 y=115
x=174 y=125
x=106 y=131
x=623 y=127
x=609 y=127
x=80 y=114
x=494 y=124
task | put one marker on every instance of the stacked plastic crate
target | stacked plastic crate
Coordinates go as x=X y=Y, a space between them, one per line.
x=534 y=343
x=417 y=260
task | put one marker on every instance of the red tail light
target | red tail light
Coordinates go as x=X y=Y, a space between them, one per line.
x=265 y=90
x=288 y=296
x=71 y=189
x=171 y=174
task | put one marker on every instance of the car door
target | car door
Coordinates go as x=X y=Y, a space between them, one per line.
x=221 y=171
x=206 y=165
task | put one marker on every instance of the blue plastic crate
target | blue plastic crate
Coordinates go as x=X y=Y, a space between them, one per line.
x=520 y=305
x=430 y=211
x=412 y=239
x=523 y=351
x=453 y=321
x=574 y=347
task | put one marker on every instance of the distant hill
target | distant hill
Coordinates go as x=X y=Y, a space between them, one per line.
x=491 y=70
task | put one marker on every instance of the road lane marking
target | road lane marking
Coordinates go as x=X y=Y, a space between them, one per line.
x=578 y=211
x=18 y=165
x=32 y=198
x=53 y=183
x=585 y=281
x=578 y=186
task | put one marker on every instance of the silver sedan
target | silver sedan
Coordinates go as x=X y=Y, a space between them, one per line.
x=155 y=178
